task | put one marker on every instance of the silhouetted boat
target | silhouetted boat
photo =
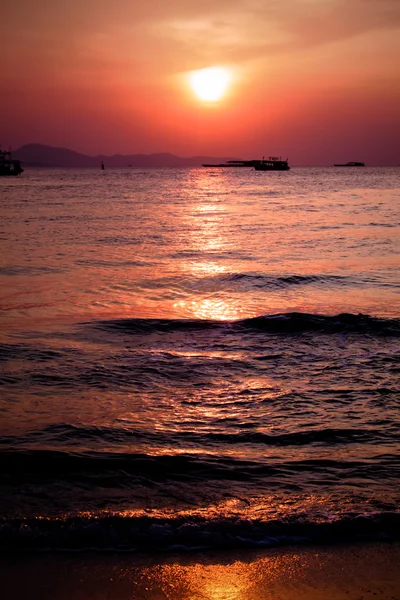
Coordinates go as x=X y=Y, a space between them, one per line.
x=8 y=166
x=273 y=163
x=350 y=164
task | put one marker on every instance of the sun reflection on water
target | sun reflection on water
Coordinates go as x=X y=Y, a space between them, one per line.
x=238 y=580
x=208 y=238
x=210 y=308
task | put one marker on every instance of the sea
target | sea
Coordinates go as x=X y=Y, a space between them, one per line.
x=199 y=358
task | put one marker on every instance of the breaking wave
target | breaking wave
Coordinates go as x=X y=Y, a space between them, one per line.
x=155 y=534
x=288 y=323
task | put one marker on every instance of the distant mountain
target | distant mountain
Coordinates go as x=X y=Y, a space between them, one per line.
x=39 y=155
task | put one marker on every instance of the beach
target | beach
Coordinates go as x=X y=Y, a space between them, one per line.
x=356 y=572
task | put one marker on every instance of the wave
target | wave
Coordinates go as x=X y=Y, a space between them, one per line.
x=341 y=323
x=247 y=281
x=32 y=353
x=17 y=270
x=163 y=533
x=72 y=434
x=267 y=281
x=123 y=467
x=285 y=323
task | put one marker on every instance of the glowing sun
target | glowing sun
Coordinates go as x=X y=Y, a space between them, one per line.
x=210 y=84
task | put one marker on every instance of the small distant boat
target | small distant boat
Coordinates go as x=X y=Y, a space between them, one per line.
x=350 y=164
x=8 y=166
x=273 y=163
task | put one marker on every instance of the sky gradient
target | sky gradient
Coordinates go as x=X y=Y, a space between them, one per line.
x=317 y=81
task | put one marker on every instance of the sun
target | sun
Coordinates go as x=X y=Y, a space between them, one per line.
x=210 y=84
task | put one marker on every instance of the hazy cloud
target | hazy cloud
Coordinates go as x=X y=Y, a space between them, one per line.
x=92 y=36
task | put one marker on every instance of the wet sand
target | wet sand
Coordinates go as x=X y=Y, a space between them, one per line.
x=357 y=572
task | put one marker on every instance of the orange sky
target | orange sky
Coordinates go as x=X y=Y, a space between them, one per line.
x=315 y=80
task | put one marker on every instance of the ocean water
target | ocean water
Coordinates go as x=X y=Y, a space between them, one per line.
x=199 y=358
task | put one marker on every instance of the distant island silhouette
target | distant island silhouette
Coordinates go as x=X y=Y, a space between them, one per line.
x=40 y=155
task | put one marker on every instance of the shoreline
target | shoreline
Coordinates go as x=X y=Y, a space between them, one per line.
x=350 y=572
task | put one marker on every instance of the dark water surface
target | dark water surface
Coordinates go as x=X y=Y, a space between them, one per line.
x=199 y=358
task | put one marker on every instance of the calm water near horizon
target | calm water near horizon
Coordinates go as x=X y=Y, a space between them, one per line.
x=196 y=358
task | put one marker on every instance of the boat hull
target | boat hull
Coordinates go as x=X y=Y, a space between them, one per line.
x=10 y=173
x=234 y=164
x=270 y=164
x=284 y=167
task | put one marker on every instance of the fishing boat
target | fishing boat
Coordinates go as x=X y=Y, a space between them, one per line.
x=272 y=163
x=8 y=166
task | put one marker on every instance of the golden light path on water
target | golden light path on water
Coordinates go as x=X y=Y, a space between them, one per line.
x=217 y=581
x=237 y=579
x=208 y=235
